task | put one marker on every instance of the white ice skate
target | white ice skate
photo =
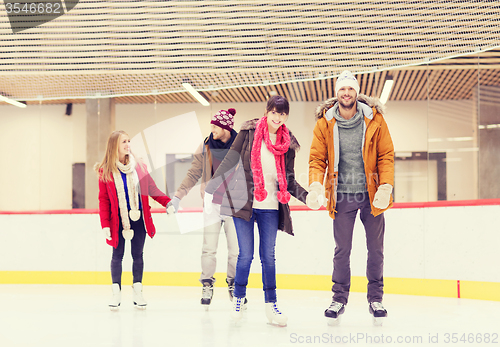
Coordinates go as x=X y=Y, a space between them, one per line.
x=237 y=311
x=334 y=312
x=139 y=301
x=117 y=297
x=378 y=312
x=230 y=289
x=274 y=315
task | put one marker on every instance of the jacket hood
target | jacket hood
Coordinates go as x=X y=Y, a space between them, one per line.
x=252 y=124
x=372 y=102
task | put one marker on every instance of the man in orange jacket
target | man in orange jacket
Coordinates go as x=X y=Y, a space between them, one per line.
x=353 y=155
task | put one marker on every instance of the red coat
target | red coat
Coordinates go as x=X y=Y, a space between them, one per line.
x=108 y=203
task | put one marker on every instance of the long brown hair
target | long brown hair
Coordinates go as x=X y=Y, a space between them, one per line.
x=106 y=168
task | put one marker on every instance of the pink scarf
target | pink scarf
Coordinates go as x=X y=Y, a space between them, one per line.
x=279 y=149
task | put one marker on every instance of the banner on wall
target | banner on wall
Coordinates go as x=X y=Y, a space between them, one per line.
x=160 y=146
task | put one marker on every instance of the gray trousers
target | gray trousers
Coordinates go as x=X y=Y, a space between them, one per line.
x=213 y=223
x=343 y=225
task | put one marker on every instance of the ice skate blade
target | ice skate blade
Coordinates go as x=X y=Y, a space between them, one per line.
x=140 y=307
x=236 y=323
x=114 y=308
x=206 y=307
x=333 y=321
x=236 y=318
x=276 y=324
x=378 y=321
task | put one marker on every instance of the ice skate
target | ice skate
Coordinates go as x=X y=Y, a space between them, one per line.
x=237 y=311
x=275 y=315
x=378 y=311
x=334 y=312
x=208 y=292
x=117 y=297
x=139 y=301
x=230 y=289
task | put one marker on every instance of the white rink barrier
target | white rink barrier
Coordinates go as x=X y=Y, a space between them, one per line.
x=431 y=242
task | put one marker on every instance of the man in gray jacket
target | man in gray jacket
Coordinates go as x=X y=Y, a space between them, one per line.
x=206 y=160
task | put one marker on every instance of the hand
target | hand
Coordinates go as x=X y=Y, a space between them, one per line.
x=170 y=208
x=175 y=202
x=316 y=196
x=107 y=233
x=207 y=203
x=382 y=196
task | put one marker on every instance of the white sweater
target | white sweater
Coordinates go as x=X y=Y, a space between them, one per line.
x=270 y=178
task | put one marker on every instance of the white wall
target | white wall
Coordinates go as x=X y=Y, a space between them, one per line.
x=40 y=144
x=456 y=243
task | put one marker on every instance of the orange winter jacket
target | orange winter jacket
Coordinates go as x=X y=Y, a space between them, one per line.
x=378 y=151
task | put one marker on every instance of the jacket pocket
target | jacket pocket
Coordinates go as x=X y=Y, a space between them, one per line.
x=375 y=180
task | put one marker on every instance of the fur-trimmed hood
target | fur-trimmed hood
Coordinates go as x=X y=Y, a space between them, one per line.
x=372 y=102
x=252 y=124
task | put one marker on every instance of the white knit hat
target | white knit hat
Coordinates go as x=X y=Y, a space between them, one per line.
x=346 y=79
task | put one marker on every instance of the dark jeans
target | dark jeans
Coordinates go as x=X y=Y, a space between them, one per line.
x=343 y=225
x=137 y=245
x=267 y=222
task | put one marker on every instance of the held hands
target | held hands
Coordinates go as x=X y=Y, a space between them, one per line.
x=170 y=208
x=175 y=202
x=382 y=196
x=316 y=197
x=207 y=203
x=107 y=233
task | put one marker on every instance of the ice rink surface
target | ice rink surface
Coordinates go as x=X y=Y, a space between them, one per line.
x=78 y=315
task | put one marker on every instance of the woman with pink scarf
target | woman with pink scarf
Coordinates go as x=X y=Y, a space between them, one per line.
x=262 y=158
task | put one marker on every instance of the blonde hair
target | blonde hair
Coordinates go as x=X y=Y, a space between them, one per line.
x=106 y=168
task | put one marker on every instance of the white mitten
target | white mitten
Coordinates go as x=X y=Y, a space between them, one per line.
x=107 y=233
x=128 y=234
x=382 y=196
x=207 y=203
x=316 y=196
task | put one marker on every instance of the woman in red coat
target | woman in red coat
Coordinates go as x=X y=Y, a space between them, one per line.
x=124 y=189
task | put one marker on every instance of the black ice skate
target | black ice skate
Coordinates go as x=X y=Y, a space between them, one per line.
x=378 y=312
x=230 y=287
x=334 y=312
x=208 y=292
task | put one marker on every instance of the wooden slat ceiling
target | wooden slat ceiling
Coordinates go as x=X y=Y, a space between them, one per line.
x=134 y=50
x=452 y=79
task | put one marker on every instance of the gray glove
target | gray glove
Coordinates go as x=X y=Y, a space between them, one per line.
x=175 y=202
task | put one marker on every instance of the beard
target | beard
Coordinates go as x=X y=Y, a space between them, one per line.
x=347 y=105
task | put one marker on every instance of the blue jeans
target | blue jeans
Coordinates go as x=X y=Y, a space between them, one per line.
x=267 y=223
